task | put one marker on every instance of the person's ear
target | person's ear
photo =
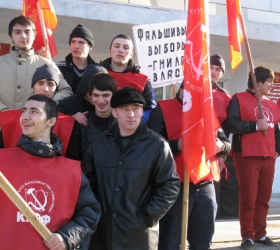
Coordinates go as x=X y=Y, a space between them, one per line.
x=114 y=113
x=51 y=122
x=131 y=55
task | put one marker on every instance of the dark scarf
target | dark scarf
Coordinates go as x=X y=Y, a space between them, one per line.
x=40 y=148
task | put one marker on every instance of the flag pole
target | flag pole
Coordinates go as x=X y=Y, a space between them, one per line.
x=184 y=228
x=249 y=57
x=43 y=28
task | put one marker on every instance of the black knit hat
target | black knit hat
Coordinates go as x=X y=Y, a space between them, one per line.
x=90 y=70
x=217 y=60
x=82 y=32
x=45 y=72
x=127 y=96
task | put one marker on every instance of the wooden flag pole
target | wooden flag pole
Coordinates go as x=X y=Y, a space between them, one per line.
x=21 y=204
x=44 y=31
x=249 y=56
x=174 y=89
x=185 y=209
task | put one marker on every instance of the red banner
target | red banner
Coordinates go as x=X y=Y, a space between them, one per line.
x=30 y=10
x=198 y=126
x=235 y=35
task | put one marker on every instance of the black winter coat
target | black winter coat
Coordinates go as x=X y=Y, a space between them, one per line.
x=67 y=70
x=135 y=187
x=81 y=135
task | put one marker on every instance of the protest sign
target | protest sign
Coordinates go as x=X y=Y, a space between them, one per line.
x=160 y=50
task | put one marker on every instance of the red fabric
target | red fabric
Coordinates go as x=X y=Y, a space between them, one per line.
x=172 y=113
x=129 y=79
x=235 y=35
x=221 y=102
x=30 y=10
x=255 y=144
x=198 y=123
x=11 y=129
x=255 y=177
x=50 y=186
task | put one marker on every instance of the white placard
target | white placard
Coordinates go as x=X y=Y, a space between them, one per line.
x=160 y=49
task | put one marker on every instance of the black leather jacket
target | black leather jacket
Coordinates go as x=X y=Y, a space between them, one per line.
x=135 y=187
x=81 y=135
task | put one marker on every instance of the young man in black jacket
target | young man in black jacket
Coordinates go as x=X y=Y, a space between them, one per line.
x=52 y=185
x=101 y=87
x=166 y=119
x=81 y=43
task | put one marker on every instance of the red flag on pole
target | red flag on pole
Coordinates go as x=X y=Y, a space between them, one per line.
x=235 y=35
x=44 y=27
x=198 y=125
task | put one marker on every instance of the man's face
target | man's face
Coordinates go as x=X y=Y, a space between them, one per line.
x=34 y=123
x=121 y=51
x=23 y=36
x=45 y=87
x=216 y=73
x=101 y=102
x=264 y=88
x=79 y=48
x=129 y=118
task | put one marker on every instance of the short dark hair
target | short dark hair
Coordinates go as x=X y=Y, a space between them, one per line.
x=102 y=82
x=50 y=105
x=262 y=74
x=22 y=20
x=121 y=36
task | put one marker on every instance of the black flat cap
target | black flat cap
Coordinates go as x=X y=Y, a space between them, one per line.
x=127 y=96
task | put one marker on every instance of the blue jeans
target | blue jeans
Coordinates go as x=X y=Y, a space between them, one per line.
x=202 y=213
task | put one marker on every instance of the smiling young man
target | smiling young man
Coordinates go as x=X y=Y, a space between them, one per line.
x=101 y=87
x=127 y=73
x=254 y=155
x=81 y=43
x=20 y=64
x=53 y=186
x=133 y=172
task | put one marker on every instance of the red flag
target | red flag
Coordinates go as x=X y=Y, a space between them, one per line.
x=198 y=125
x=235 y=35
x=49 y=19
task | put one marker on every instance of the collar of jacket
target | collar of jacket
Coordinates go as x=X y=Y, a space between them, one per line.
x=41 y=149
x=22 y=55
x=69 y=62
x=140 y=133
x=131 y=66
x=93 y=118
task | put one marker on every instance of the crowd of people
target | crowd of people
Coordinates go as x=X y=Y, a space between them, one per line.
x=100 y=162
